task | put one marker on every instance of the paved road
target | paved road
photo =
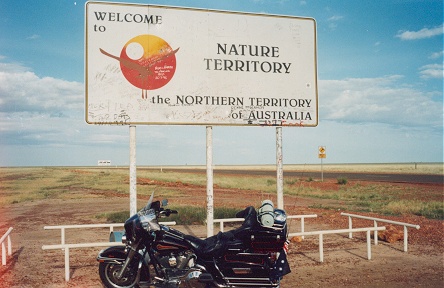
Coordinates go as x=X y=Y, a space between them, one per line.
x=383 y=177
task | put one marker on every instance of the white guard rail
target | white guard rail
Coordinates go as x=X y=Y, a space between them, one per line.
x=321 y=238
x=66 y=247
x=64 y=227
x=6 y=237
x=302 y=217
x=376 y=220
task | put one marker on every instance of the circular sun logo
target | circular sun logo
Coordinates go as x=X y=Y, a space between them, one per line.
x=148 y=62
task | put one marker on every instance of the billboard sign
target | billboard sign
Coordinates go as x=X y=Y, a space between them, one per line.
x=147 y=64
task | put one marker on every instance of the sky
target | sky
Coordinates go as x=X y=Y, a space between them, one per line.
x=380 y=90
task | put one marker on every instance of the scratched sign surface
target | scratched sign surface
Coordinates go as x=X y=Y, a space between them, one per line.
x=169 y=65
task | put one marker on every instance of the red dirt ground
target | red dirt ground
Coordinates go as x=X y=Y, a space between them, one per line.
x=345 y=260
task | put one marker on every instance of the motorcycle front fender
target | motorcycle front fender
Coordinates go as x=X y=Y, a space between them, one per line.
x=113 y=254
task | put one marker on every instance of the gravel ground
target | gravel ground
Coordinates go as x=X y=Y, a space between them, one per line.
x=345 y=260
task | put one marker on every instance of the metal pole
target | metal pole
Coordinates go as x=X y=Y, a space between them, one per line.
x=133 y=173
x=322 y=171
x=406 y=237
x=210 y=216
x=279 y=169
x=369 y=245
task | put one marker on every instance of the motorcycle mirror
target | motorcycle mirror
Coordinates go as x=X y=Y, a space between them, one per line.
x=164 y=202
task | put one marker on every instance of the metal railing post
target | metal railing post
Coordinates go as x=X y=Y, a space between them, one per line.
x=66 y=264
x=62 y=231
x=369 y=245
x=376 y=232
x=350 y=226
x=3 y=254
x=6 y=237
x=9 y=246
x=303 y=226
x=406 y=236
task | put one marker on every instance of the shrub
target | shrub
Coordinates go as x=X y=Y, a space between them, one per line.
x=187 y=215
x=271 y=182
x=342 y=181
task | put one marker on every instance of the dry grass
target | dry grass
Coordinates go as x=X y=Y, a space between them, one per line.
x=28 y=184
x=411 y=167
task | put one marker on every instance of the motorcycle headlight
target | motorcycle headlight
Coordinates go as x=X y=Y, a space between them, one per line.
x=149 y=221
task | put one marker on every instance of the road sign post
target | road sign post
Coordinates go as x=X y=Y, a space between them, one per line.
x=322 y=154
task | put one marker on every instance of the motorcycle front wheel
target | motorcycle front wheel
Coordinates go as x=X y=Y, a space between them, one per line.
x=108 y=274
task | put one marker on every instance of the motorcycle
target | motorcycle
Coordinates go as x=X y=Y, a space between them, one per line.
x=155 y=255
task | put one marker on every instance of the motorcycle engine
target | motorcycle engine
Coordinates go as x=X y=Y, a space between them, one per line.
x=179 y=261
x=181 y=271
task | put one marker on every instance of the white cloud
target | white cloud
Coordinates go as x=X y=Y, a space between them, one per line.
x=436 y=55
x=43 y=124
x=378 y=100
x=22 y=90
x=12 y=67
x=33 y=37
x=432 y=71
x=421 y=34
x=335 y=18
x=333 y=21
x=38 y=110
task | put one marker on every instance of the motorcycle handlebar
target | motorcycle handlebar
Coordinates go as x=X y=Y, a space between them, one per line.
x=167 y=212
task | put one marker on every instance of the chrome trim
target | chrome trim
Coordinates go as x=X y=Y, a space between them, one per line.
x=110 y=260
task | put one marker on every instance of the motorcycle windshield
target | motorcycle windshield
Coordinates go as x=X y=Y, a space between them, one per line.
x=147 y=207
x=149 y=220
x=150 y=201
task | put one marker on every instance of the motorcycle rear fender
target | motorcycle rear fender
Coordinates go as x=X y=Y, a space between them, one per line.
x=113 y=254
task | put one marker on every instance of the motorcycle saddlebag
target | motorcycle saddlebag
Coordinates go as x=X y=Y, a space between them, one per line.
x=268 y=240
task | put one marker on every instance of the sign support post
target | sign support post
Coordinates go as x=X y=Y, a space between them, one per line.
x=279 y=169
x=322 y=155
x=322 y=170
x=132 y=171
x=210 y=216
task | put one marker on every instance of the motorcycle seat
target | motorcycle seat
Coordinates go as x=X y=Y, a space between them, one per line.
x=215 y=245
x=210 y=247
x=194 y=242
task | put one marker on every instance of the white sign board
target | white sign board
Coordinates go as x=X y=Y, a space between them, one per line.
x=150 y=64
x=104 y=162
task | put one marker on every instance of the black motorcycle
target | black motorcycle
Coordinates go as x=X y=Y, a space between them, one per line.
x=155 y=255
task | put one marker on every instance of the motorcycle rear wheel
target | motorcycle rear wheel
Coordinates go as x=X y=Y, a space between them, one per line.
x=108 y=274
